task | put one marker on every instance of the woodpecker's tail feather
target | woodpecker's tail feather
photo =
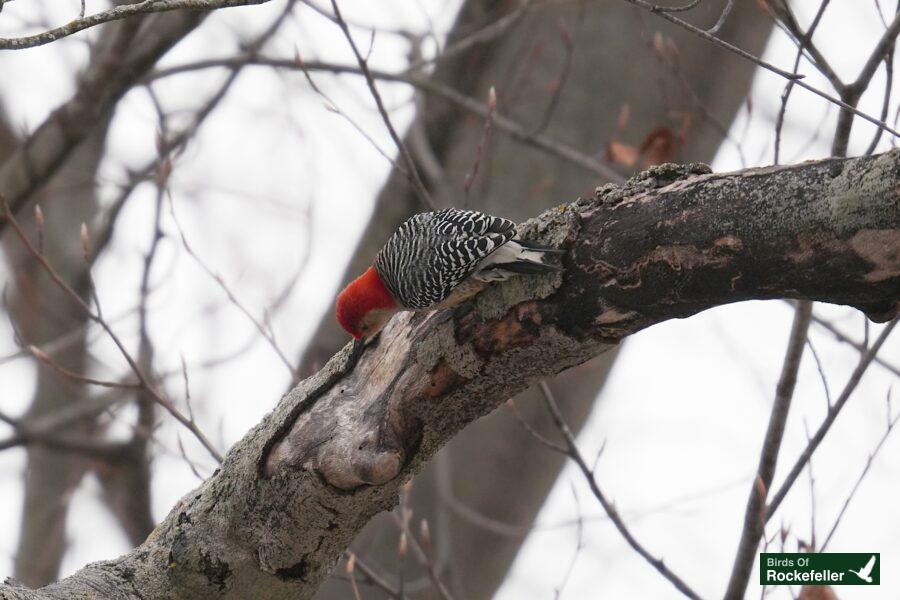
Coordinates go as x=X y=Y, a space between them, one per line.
x=515 y=257
x=530 y=245
x=526 y=267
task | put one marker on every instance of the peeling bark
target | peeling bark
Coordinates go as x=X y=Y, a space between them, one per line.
x=674 y=241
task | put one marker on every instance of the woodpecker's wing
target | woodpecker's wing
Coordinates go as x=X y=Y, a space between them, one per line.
x=431 y=253
x=460 y=223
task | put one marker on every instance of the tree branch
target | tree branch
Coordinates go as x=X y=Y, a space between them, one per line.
x=289 y=497
x=117 y=13
x=100 y=88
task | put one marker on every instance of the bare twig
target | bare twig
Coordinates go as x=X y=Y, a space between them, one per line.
x=885 y=105
x=842 y=337
x=891 y=422
x=884 y=48
x=99 y=320
x=852 y=93
x=805 y=40
x=121 y=11
x=332 y=106
x=788 y=23
x=67 y=373
x=351 y=573
x=422 y=557
x=614 y=516
x=796 y=78
x=560 y=84
x=666 y=13
x=260 y=327
x=515 y=129
x=485 y=138
x=46 y=426
x=374 y=578
x=754 y=517
x=413 y=171
x=821 y=369
x=722 y=18
x=579 y=546
x=864 y=362
x=534 y=432
x=483 y=35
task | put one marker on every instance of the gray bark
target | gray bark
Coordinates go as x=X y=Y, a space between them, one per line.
x=611 y=65
x=290 y=496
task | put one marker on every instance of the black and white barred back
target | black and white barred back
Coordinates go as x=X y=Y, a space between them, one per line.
x=432 y=253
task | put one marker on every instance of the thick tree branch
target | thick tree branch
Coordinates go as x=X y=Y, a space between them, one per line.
x=288 y=499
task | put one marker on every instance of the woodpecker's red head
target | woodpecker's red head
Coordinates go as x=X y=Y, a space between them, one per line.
x=365 y=305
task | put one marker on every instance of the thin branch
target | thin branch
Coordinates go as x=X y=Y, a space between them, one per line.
x=804 y=40
x=506 y=124
x=841 y=337
x=332 y=106
x=864 y=362
x=534 y=432
x=422 y=557
x=413 y=173
x=260 y=327
x=351 y=568
x=884 y=47
x=769 y=67
x=754 y=518
x=579 y=546
x=569 y=53
x=788 y=23
x=122 y=11
x=483 y=35
x=614 y=516
x=722 y=18
x=374 y=578
x=886 y=102
x=482 y=143
x=45 y=425
x=891 y=422
x=99 y=320
x=665 y=13
x=69 y=374
x=821 y=369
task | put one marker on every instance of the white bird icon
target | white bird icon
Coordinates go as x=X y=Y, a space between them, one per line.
x=866 y=572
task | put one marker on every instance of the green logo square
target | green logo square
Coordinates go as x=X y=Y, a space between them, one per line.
x=831 y=568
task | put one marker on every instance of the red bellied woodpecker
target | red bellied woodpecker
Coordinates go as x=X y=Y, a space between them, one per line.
x=436 y=260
